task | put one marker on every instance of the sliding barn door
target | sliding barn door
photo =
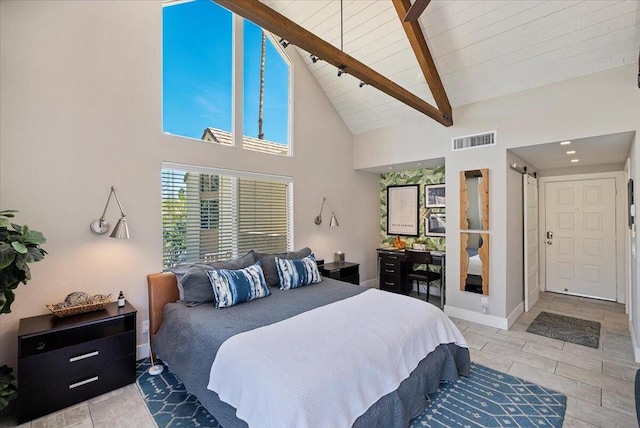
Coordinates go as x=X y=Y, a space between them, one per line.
x=531 y=282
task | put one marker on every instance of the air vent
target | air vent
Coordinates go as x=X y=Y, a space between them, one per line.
x=470 y=141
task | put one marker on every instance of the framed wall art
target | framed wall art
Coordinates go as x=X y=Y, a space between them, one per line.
x=435 y=195
x=402 y=210
x=435 y=223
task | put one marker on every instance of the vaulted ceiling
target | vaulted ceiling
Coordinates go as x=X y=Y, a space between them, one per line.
x=482 y=49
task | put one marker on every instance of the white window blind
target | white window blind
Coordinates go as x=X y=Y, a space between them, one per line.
x=205 y=222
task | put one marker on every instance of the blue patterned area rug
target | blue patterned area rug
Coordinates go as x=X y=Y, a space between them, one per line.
x=169 y=402
x=487 y=398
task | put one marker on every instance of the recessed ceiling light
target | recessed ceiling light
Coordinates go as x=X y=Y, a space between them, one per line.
x=571 y=152
x=575 y=160
x=389 y=167
x=564 y=143
x=419 y=163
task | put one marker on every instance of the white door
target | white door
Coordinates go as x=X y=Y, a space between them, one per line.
x=581 y=237
x=531 y=283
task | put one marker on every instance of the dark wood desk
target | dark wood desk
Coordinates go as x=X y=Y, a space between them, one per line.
x=392 y=270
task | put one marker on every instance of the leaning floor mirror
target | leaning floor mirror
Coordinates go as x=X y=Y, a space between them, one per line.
x=474 y=262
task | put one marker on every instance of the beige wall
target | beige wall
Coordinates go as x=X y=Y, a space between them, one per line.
x=597 y=104
x=80 y=110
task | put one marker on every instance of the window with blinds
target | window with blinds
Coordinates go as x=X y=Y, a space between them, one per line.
x=210 y=215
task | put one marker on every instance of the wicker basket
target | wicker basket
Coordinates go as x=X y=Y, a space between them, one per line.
x=79 y=309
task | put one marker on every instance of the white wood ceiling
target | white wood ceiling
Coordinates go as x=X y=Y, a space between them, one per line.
x=482 y=49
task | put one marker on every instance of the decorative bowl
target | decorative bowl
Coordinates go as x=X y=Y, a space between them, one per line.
x=65 y=309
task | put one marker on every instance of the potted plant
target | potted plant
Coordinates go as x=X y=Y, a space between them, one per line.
x=19 y=246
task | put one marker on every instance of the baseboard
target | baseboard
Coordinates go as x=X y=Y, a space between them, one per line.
x=634 y=343
x=142 y=351
x=513 y=316
x=370 y=283
x=477 y=317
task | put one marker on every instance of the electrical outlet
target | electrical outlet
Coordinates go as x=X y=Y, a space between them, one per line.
x=484 y=305
x=145 y=326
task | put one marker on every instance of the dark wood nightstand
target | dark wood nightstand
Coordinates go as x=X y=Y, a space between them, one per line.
x=342 y=271
x=63 y=361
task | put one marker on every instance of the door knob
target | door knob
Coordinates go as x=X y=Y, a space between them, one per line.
x=549 y=242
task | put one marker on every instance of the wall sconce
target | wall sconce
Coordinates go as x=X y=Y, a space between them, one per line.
x=318 y=220
x=101 y=226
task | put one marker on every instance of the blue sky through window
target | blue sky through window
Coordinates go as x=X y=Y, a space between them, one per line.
x=197 y=74
x=276 y=88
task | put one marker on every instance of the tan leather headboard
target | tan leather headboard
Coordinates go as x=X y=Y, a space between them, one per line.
x=163 y=289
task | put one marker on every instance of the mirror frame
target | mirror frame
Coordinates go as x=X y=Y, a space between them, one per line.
x=483 y=191
x=483 y=252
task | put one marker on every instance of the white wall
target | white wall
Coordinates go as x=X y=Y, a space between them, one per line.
x=80 y=110
x=597 y=104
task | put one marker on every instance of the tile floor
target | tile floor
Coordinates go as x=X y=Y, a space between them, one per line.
x=122 y=408
x=598 y=382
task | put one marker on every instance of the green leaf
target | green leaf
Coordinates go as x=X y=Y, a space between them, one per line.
x=8 y=392
x=21 y=262
x=19 y=247
x=17 y=228
x=4 y=222
x=6 y=299
x=33 y=237
x=7 y=213
x=7 y=255
x=3 y=403
x=34 y=254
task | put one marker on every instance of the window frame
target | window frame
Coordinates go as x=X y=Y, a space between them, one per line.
x=237 y=82
x=234 y=175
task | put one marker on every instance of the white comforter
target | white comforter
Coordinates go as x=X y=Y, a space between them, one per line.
x=327 y=366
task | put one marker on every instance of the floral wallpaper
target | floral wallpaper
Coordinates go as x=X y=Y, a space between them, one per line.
x=412 y=176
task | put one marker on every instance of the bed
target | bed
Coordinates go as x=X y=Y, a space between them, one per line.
x=188 y=340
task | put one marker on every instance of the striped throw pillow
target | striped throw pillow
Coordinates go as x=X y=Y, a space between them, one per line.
x=296 y=273
x=236 y=286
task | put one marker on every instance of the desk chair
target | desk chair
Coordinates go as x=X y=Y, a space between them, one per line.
x=421 y=275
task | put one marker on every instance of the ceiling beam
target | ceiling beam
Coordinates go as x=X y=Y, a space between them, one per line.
x=272 y=21
x=420 y=48
x=416 y=10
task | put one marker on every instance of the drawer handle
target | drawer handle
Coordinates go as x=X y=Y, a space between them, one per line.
x=392 y=257
x=83 y=382
x=82 y=357
x=389 y=264
x=389 y=283
x=389 y=270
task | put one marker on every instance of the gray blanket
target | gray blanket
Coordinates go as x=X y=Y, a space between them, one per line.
x=189 y=339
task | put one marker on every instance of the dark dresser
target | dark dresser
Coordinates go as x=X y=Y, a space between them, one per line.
x=63 y=361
